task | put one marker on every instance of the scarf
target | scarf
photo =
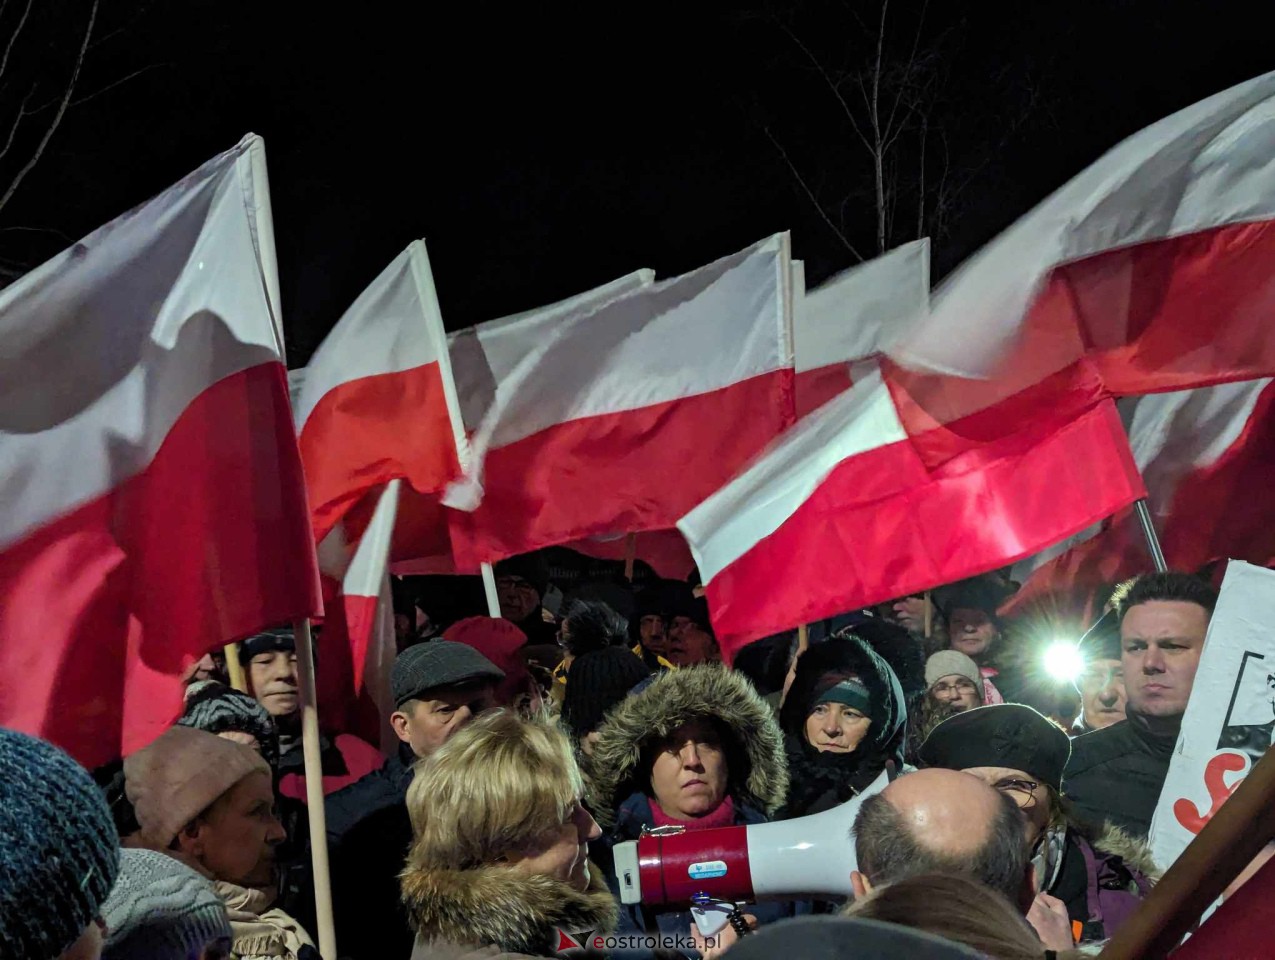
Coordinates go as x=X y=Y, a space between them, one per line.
x=723 y=815
x=256 y=930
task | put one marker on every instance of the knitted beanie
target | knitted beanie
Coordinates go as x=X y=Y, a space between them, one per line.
x=217 y=708
x=596 y=682
x=947 y=663
x=179 y=776
x=160 y=909
x=59 y=852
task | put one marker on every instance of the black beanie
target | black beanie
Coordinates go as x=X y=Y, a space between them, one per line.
x=1001 y=735
x=596 y=682
x=277 y=638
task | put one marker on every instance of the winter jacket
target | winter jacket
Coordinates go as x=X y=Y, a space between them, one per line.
x=820 y=781
x=1102 y=877
x=619 y=780
x=1116 y=774
x=493 y=912
x=369 y=833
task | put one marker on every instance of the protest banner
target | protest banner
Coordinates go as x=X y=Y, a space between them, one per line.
x=1229 y=720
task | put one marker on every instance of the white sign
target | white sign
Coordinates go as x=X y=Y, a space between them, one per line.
x=1231 y=715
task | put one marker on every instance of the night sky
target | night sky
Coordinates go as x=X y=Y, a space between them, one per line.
x=541 y=150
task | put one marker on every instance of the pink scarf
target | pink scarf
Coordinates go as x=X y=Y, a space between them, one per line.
x=723 y=815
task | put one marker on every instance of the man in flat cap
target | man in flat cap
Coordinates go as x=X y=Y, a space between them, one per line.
x=438 y=687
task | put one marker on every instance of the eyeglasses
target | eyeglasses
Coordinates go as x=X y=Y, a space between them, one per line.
x=961 y=686
x=1022 y=792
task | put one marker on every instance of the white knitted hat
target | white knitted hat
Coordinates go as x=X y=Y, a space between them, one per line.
x=160 y=909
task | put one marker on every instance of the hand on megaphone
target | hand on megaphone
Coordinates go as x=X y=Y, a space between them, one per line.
x=712 y=947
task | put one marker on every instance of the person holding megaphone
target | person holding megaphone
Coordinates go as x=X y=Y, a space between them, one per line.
x=698 y=748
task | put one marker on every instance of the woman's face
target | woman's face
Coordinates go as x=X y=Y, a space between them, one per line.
x=972 y=632
x=958 y=692
x=1030 y=794
x=836 y=728
x=689 y=775
x=562 y=852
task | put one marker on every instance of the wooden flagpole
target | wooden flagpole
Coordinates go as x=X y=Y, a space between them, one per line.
x=234 y=669
x=929 y=615
x=314 y=791
x=630 y=555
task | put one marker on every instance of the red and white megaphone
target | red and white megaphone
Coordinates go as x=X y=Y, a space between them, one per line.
x=807 y=857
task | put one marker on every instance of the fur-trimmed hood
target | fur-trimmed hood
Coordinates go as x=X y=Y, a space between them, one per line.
x=494 y=906
x=672 y=700
x=1134 y=852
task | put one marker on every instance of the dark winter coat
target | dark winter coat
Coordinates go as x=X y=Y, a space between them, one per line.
x=1103 y=877
x=820 y=781
x=369 y=833
x=492 y=911
x=1116 y=774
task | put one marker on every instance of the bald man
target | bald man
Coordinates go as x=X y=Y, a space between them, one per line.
x=941 y=821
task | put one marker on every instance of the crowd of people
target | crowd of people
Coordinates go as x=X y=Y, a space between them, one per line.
x=1013 y=821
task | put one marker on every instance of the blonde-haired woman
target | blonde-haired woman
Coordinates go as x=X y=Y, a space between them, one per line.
x=500 y=855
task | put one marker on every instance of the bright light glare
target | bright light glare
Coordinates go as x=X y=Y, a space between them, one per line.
x=1063 y=660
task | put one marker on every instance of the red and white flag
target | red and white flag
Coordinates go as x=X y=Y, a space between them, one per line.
x=485 y=361
x=1156 y=266
x=1206 y=456
x=843 y=512
x=854 y=316
x=357 y=645
x=154 y=502
x=625 y=416
x=377 y=401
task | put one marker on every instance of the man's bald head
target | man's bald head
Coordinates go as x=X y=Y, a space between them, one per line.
x=942 y=821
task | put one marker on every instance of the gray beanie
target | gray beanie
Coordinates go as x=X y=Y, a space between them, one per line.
x=160 y=909
x=59 y=852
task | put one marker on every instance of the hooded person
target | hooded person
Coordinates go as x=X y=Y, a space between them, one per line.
x=209 y=802
x=697 y=748
x=1101 y=875
x=161 y=909
x=59 y=853
x=844 y=722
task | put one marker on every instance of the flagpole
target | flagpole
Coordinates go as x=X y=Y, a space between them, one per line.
x=314 y=790
x=489 y=588
x=929 y=615
x=1148 y=531
x=630 y=556
x=234 y=669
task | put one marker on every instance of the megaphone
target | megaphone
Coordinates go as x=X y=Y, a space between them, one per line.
x=807 y=857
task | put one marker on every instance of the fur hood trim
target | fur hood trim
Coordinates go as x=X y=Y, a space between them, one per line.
x=1134 y=852
x=493 y=905
x=672 y=700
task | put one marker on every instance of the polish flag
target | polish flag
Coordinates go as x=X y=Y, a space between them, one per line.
x=626 y=416
x=1207 y=456
x=482 y=358
x=154 y=502
x=377 y=401
x=1155 y=268
x=357 y=645
x=854 y=316
x=843 y=512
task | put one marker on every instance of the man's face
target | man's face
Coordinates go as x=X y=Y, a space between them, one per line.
x=958 y=692
x=430 y=721
x=654 y=637
x=909 y=613
x=689 y=644
x=689 y=774
x=1102 y=693
x=272 y=679
x=972 y=632
x=1031 y=796
x=562 y=852
x=205 y=668
x=1162 y=641
x=235 y=839
x=518 y=598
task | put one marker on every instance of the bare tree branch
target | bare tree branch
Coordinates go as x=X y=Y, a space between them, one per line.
x=907 y=70
x=111 y=86
x=57 y=117
x=834 y=87
x=813 y=199
x=13 y=38
x=17 y=121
